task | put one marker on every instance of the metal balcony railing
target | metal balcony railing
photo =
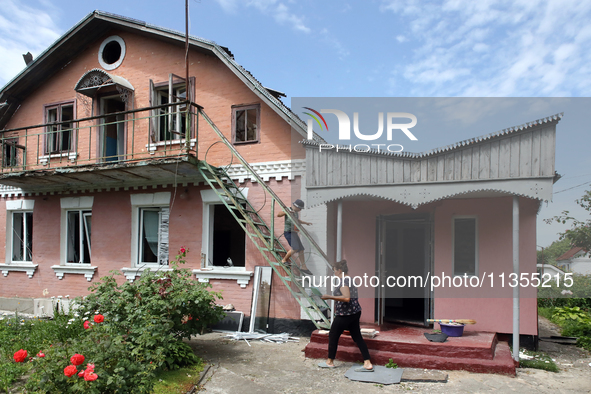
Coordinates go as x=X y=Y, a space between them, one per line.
x=140 y=134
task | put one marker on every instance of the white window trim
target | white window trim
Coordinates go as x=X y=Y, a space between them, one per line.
x=69 y=204
x=112 y=66
x=138 y=201
x=20 y=266
x=453 y=243
x=210 y=199
x=72 y=156
x=153 y=146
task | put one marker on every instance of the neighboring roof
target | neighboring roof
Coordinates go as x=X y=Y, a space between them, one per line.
x=97 y=23
x=569 y=254
x=471 y=141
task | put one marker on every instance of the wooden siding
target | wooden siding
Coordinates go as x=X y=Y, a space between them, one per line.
x=521 y=154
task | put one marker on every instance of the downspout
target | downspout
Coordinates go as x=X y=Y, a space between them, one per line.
x=516 y=272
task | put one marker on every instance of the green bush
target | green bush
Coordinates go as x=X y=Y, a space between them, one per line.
x=127 y=332
x=156 y=311
x=577 y=295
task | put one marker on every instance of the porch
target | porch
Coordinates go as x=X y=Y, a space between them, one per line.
x=407 y=346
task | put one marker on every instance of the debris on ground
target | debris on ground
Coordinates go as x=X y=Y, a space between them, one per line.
x=253 y=336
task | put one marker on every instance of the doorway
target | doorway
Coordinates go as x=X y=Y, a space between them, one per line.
x=112 y=141
x=229 y=240
x=404 y=263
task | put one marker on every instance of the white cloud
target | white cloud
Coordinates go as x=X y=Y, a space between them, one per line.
x=338 y=46
x=496 y=47
x=274 y=8
x=23 y=29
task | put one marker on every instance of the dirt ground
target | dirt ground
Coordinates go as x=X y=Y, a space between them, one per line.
x=282 y=368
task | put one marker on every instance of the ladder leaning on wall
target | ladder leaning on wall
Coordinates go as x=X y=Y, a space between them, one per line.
x=263 y=235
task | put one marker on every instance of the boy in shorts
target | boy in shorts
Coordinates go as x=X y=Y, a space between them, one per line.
x=291 y=235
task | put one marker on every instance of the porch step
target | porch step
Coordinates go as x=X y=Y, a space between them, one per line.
x=410 y=340
x=473 y=352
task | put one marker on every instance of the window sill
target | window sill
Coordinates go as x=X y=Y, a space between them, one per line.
x=240 y=275
x=152 y=147
x=84 y=269
x=72 y=156
x=29 y=268
x=132 y=273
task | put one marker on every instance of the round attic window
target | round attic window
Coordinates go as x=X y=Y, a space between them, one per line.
x=111 y=53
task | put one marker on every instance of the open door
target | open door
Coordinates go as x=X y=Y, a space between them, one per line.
x=404 y=263
x=112 y=141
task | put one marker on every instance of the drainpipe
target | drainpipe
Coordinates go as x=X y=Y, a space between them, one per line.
x=516 y=272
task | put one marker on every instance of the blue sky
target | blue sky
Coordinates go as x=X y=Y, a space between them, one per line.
x=372 y=48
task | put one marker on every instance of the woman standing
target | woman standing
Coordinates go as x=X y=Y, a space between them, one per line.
x=347 y=315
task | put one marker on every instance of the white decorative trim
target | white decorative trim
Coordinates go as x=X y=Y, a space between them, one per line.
x=152 y=147
x=10 y=191
x=87 y=270
x=151 y=199
x=132 y=273
x=241 y=277
x=269 y=169
x=76 y=202
x=20 y=205
x=28 y=268
x=72 y=156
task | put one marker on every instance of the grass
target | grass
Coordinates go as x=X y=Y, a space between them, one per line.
x=540 y=361
x=177 y=381
x=546 y=312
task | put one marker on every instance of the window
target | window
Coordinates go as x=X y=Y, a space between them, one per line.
x=245 y=123
x=59 y=130
x=172 y=121
x=10 y=152
x=22 y=236
x=153 y=235
x=465 y=245
x=169 y=123
x=78 y=232
x=111 y=52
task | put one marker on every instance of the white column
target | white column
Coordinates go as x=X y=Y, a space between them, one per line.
x=516 y=272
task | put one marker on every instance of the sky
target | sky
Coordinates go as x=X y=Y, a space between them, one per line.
x=376 y=48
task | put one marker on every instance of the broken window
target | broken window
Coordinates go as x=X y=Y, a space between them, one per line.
x=169 y=123
x=465 y=245
x=153 y=237
x=245 y=123
x=78 y=236
x=59 y=118
x=22 y=236
x=10 y=152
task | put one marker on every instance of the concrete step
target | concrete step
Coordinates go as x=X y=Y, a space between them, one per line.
x=501 y=363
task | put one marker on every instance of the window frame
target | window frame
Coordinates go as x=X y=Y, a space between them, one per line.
x=12 y=207
x=83 y=233
x=161 y=242
x=59 y=123
x=476 y=245
x=246 y=107
x=24 y=242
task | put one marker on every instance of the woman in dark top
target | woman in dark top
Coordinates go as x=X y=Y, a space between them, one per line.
x=347 y=315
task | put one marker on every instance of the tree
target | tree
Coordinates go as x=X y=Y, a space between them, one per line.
x=557 y=248
x=580 y=232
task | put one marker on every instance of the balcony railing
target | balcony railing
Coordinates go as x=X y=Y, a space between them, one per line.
x=141 y=134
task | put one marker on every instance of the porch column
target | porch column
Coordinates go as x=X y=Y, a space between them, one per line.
x=516 y=271
x=339 y=255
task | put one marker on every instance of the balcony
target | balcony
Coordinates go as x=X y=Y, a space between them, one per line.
x=155 y=145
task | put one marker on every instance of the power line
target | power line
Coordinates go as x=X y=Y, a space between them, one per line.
x=582 y=184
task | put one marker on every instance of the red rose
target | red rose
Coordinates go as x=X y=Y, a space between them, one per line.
x=86 y=325
x=99 y=318
x=77 y=359
x=89 y=375
x=81 y=374
x=70 y=370
x=20 y=356
x=90 y=367
x=40 y=354
x=183 y=250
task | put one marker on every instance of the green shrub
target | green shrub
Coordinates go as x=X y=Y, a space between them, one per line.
x=566 y=313
x=156 y=311
x=577 y=295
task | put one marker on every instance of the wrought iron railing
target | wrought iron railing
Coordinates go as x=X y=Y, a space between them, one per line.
x=146 y=133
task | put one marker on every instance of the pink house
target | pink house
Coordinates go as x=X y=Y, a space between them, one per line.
x=106 y=154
